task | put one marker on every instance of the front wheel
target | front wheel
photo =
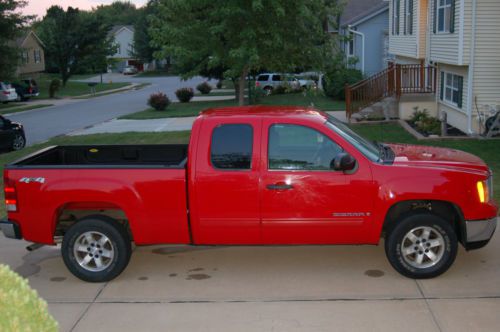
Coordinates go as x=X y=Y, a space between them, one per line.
x=421 y=246
x=18 y=142
x=96 y=249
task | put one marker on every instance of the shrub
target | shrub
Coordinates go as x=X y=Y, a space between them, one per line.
x=20 y=307
x=159 y=101
x=425 y=123
x=54 y=86
x=219 y=84
x=184 y=94
x=279 y=90
x=334 y=81
x=204 y=88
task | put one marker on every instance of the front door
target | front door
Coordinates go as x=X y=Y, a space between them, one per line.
x=303 y=200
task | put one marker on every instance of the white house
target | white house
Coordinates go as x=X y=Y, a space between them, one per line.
x=123 y=36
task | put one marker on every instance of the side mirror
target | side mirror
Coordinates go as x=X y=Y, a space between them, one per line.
x=343 y=162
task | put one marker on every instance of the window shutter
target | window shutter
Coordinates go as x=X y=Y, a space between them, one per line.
x=410 y=3
x=404 y=16
x=460 y=90
x=398 y=8
x=452 y=16
x=434 y=20
x=442 y=86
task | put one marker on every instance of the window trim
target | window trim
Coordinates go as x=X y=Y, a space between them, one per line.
x=37 y=56
x=445 y=100
x=268 y=169
x=408 y=17
x=443 y=7
x=396 y=16
x=251 y=148
x=349 y=42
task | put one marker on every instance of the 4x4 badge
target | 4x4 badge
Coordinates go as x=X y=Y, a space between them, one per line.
x=28 y=180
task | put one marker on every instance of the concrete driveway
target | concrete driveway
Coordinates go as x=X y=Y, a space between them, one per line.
x=316 y=288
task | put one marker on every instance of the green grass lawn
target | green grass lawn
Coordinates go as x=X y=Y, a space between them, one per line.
x=193 y=108
x=10 y=105
x=23 y=108
x=72 y=88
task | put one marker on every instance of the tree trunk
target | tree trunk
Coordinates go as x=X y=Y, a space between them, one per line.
x=241 y=87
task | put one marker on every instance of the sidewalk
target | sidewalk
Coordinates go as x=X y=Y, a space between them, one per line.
x=154 y=125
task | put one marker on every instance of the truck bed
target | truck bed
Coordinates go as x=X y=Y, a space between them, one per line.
x=91 y=156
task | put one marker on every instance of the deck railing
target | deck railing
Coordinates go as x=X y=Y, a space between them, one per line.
x=395 y=81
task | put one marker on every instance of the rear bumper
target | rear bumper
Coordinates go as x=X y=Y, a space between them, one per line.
x=10 y=229
x=479 y=232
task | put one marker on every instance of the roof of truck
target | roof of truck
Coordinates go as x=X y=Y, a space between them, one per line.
x=271 y=111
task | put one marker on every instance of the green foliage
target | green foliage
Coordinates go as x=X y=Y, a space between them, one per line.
x=118 y=13
x=54 y=86
x=335 y=79
x=159 y=101
x=219 y=84
x=204 y=88
x=238 y=37
x=425 y=123
x=142 y=40
x=20 y=307
x=75 y=41
x=184 y=94
x=11 y=28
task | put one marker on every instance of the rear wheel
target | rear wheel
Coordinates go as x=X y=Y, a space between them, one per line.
x=421 y=245
x=268 y=90
x=96 y=249
x=18 y=142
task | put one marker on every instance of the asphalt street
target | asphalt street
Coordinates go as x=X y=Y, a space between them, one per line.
x=40 y=125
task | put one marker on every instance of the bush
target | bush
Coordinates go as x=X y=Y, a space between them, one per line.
x=425 y=123
x=159 y=101
x=184 y=94
x=219 y=84
x=204 y=88
x=20 y=307
x=334 y=81
x=54 y=86
x=279 y=90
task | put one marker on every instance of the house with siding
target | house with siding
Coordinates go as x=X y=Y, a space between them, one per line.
x=364 y=24
x=460 y=39
x=123 y=36
x=32 y=57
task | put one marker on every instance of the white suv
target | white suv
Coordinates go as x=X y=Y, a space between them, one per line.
x=7 y=93
x=268 y=81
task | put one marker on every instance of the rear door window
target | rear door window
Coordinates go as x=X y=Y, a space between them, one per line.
x=231 y=147
x=263 y=78
x=276 y=78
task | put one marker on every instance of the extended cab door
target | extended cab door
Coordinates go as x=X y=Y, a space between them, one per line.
x=226 y=190
x=303 y=200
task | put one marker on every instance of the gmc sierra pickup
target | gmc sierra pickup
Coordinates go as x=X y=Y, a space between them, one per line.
x=252 y=176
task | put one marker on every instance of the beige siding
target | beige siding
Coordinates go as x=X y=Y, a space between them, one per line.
x=467 y=30
x=422 y=27
x=404 y=45
x=444 y=46
x=31 y=44
x=487 y=59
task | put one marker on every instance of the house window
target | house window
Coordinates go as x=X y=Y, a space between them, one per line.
x=395 y=16
x=350 y=45
x=452 y=88
x=25 y=57
x=409 y=17
x=37 y=56
x=445 y=15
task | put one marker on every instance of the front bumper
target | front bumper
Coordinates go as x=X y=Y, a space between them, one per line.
x=10 y=229
x=479 y=232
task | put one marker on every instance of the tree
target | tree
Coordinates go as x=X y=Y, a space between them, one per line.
x=143 y=49
x=74 y=39
x=118 y=13
x=244 y=35
x=11 y=25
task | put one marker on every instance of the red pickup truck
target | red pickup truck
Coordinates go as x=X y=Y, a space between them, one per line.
x=252 y=176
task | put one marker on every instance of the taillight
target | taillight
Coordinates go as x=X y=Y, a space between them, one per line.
x=30 y=90
x=6 y=92
x=257 y=84
x=10 y=195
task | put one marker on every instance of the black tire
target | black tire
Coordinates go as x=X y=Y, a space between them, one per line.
x=18 y=142
x=423 y=258
x=117 y=244
x=268 y=90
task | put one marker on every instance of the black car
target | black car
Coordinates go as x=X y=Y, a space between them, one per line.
x=25 y=89
x=11 y=135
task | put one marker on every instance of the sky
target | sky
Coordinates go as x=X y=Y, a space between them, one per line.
x=39 y=7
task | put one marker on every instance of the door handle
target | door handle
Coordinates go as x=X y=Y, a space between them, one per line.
x=279 y=186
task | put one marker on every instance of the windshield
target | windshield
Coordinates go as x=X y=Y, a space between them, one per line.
x=369 y=149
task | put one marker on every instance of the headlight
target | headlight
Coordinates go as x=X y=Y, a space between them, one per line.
x=482 y=191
